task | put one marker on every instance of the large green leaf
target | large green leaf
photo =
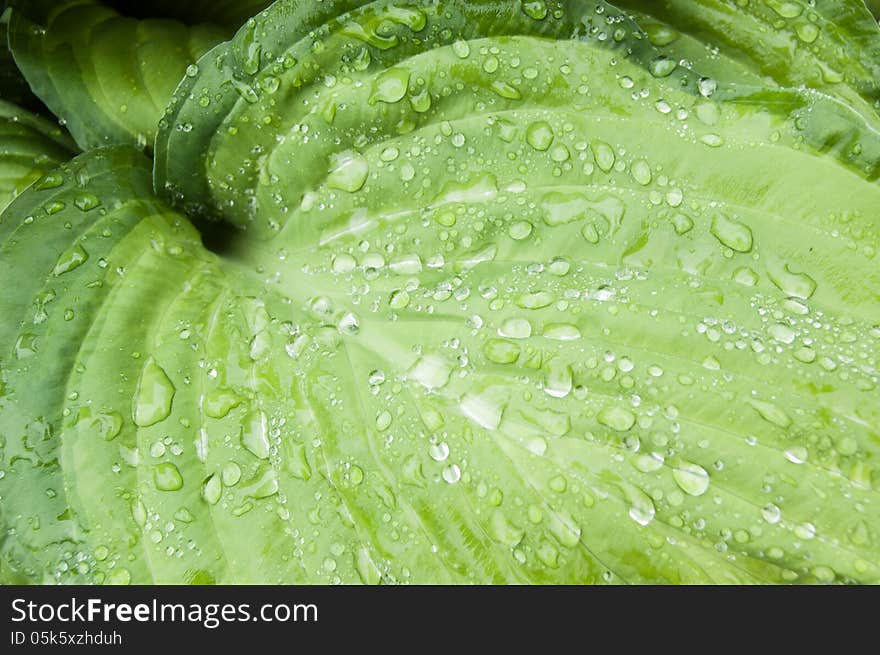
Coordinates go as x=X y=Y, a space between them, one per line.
x=108 y=77
x=13 y=88
x=500 y=297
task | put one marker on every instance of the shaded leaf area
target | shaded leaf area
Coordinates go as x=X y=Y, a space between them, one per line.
x=30 y=146
x=108 y=77
x=227 y=13
x=499 y=298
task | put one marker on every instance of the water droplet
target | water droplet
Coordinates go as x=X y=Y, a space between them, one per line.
x=349 y=324
x=785 y=9
x=72 y=258
x=86 y=201
x=212 y=489
x=649 y=463
x=771 y=413
x=431 y=371
x=604 y=155
x=797 y=454
x=520 y=230
x=797 y=285
x=535 y=9
x=534 y=300
x=707 y=86
x=691 y=478
x=641 y=507
x=558 y=379
x=617 y=418
x=662 y=66
x=503 y=531
x=153 y=396
x=564 y=528
x=452 y=474
x=515 y=328
x=107 y=424
x=219 y=402
x=390 y=86
x=501 y=351
x=641 y=172
x=383 y=420
x=807 y=32
x=539 y=135
x=230 y=474
x=771 y=513
x=561 y=332
x=367 y=570
x=255 y=434
x=733 y=234
x=349 y=172
x=167 y=477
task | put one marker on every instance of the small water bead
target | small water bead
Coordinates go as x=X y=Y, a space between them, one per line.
x=86 y=202
x=534 y=300
x=733 y=234
x=649 y=463
x=501 y=351
x=641 y=172
x=539 y=135
x=383 y=420
x=515 y=328
x=71 y=259
x=662 y=66
x=153 y=396
x=535 y=9
x=785 y=9
x=805 y=531
x=617 y=418
x=691 y=478
x=797 y=454
x=520 y=230
x=782 y=333
x=167 y=477
x=439 y=452
x=771 y=513
x=707 y=86
x=255 y=434
x=349 y=171
x=349 y=324
x=452 y=474
x=230 y=474
x=558 y=381
x=807 y=32
x=390 y=86
x=604 y=155
x=343 y=263
x=590 y=233
x=561 y=332
x=797 y=285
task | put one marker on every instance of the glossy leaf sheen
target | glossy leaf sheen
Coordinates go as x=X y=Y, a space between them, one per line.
x=501 y=296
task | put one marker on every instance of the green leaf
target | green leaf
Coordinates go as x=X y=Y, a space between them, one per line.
x=498 y=296
x=108 y=77
x=29 y=147
x=13 y=88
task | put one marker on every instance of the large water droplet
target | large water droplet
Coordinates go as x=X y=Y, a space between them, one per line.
x=153 y=396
